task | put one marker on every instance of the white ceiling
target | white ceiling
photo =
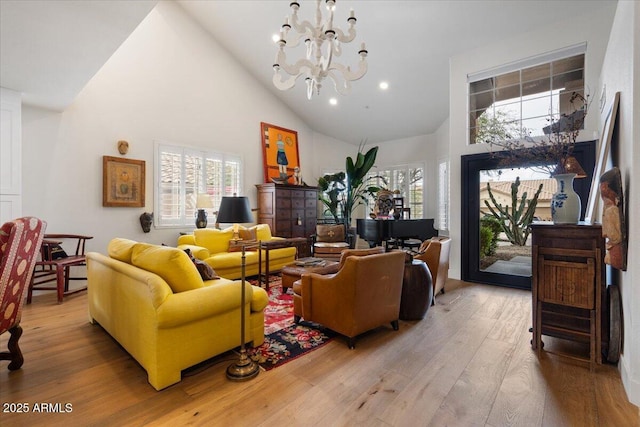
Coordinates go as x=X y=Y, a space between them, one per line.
x=50 y=49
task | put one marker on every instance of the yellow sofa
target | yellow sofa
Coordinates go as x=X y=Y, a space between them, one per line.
x=153 y=301
x=212 y=246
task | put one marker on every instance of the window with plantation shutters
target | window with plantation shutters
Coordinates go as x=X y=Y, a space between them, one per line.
x=443 y=195
x=407 y=181
x=182 y=173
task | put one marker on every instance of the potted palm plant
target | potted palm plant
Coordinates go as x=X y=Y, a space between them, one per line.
x=358 y=185
x=342 y=193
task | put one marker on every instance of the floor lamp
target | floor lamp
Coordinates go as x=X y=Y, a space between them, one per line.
x=235 y=210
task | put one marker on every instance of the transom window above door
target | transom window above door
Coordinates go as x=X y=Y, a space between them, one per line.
x=519 y=100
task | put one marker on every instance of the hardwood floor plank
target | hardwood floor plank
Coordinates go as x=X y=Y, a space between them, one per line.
x=469 y=401
x=423 y=396
x=571 y=398
x=520 y=400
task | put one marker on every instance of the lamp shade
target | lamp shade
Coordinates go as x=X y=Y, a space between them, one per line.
x=571 y=165
x=204 y=201
x=235 y=210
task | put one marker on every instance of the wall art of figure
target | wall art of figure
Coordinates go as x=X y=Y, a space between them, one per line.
x=613 y=223
x=280 y=153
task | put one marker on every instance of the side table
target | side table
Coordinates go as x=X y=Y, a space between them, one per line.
x=417 y=291
x=267 y=246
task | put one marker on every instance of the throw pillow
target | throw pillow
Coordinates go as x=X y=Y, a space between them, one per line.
x=206 y=271
x=248 y=234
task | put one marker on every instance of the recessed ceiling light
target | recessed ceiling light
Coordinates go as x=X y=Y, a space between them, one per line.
x=333 y=101
x=384 y=85
x=275 y=38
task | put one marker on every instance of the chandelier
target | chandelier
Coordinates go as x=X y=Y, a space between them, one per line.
x=323 y=43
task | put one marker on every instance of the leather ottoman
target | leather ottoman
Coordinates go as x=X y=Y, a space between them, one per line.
x=293 y=272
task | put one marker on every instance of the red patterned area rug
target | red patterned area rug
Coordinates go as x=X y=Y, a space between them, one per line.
x=285 y=341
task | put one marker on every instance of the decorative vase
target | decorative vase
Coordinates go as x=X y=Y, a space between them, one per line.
x=565 y=203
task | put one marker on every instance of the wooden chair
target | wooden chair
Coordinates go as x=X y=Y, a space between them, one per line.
x=20 y=242
x=329 y=241
x=54 y=265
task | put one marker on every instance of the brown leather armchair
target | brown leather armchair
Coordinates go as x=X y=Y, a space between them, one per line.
x=363 y=295
x=435 y=252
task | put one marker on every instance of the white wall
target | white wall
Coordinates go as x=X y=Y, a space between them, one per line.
x=10 y=155
x=592 y=27
x=169 y=81
x=620 y=70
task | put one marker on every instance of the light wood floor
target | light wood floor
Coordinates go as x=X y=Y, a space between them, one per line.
x=468 y=363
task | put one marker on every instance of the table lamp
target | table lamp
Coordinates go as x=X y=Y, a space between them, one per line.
x=202 y=202
x=236 y=210
x=571 y=165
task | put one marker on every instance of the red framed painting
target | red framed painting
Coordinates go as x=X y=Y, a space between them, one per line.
x=279 y=153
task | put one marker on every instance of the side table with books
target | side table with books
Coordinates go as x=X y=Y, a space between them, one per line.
x=266 y=246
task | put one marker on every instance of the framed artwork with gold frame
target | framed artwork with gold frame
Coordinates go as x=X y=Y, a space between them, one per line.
x=279 y=153
x=122 y=182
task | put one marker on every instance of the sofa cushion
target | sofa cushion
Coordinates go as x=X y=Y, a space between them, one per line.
x=215 y=241
x=172 y=264
x=263 y=232
x=229 y=260
x=121 y=249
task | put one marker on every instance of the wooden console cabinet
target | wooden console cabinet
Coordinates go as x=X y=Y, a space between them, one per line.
x=569 y=288
x=290 y=210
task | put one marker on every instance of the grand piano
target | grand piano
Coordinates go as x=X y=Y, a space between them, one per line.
x=380 y=231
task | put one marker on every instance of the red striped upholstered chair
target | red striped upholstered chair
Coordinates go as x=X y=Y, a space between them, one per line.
x=20 y=242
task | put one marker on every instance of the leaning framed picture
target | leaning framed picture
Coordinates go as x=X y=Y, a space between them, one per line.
x=279 y=153
x=122 y=182
x=603 y=153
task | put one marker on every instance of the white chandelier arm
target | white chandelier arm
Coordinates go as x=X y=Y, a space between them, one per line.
x=342 y=88
x=283 y=84
x=293 y=39
x=305 y=26
x=351 y=75
x=340 y=36
x=297 y=68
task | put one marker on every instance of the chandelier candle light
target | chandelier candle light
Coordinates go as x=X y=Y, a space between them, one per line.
x=323 y=43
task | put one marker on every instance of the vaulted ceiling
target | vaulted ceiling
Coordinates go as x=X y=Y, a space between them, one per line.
x=51 y=48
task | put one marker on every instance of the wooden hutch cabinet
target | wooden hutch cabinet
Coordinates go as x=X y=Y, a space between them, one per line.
x=290 y=210
x=569 y=288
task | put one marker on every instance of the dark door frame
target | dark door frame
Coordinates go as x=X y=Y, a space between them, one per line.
x=472 y=164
